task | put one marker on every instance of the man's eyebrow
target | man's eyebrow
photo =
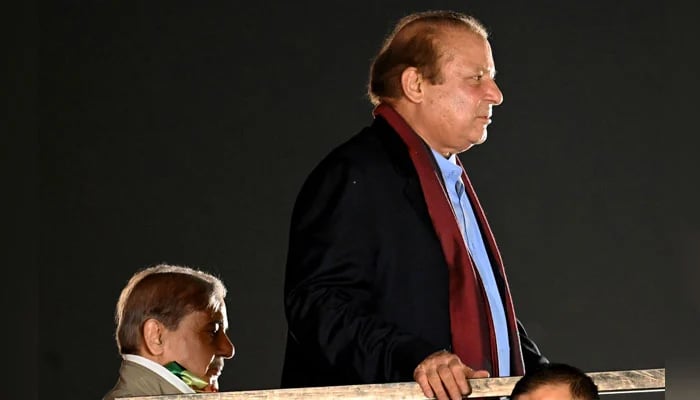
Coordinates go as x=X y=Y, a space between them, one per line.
x=221 y=322
x=484 y=70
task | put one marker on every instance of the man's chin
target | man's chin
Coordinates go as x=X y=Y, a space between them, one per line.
x=483 y=138
x=215 y=368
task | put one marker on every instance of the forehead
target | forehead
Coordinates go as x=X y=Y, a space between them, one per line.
x=198 y=319
x=466 y=49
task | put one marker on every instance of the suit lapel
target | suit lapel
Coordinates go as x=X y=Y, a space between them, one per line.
x=403 y=166
x=414 y=194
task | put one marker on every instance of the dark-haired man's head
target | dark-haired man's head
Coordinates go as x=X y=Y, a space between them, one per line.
x=175 y=313
x=555 y=382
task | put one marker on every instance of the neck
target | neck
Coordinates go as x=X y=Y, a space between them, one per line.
x=409 y=112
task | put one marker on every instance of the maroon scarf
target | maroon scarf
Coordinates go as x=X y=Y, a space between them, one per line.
x=473 y=339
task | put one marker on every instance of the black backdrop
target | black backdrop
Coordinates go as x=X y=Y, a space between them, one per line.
x=180 y=132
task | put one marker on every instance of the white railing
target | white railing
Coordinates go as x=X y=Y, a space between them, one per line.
x=630 y=381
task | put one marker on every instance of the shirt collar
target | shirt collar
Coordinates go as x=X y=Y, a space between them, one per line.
x=448 y=166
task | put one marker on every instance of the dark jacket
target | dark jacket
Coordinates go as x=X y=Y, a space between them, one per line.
x=366 y=286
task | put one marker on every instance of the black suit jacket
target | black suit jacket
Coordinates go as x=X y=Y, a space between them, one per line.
x=366 y=286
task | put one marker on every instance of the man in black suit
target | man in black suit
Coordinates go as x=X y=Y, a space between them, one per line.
x=392 y=272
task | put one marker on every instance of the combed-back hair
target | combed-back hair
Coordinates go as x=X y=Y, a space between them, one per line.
x=166 y=293
x=415 y=42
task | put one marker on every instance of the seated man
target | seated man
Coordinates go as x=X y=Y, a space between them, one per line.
x=555 y=382
x=171 y=332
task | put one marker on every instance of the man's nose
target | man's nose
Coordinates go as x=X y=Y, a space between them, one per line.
x=494 y=94
x=226 y=349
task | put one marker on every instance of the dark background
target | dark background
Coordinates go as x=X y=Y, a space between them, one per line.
x=180 y=132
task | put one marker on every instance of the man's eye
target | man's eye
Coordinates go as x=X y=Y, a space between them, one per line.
x=478 y=77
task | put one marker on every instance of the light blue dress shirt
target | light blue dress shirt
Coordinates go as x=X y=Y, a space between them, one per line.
x=452 y=176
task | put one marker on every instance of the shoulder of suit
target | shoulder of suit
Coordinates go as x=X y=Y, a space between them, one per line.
x=137 y=380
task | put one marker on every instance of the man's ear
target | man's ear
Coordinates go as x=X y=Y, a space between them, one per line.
x=152 y=336
x=412 y=84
